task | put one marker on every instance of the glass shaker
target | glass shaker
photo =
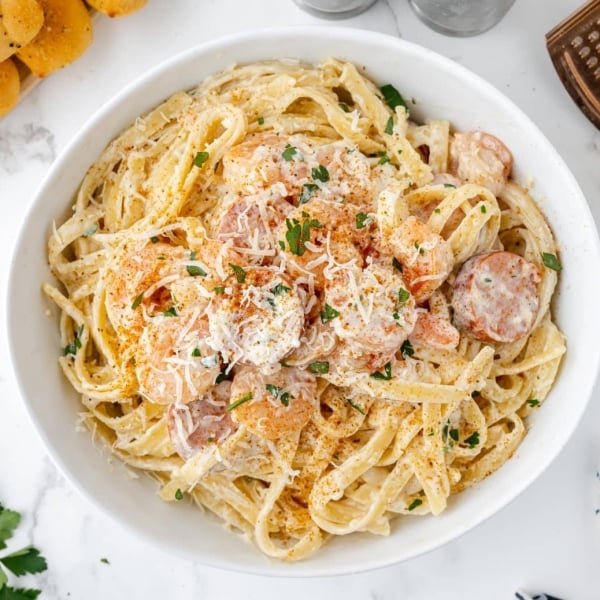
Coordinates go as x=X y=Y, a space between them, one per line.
x=334 y=9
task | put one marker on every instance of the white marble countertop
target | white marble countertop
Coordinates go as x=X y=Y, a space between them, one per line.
x=546 y=540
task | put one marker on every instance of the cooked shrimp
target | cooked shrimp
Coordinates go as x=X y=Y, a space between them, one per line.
x=426 y=258
x=349 y=176
x=202 y=422
x=344 y=364
x=267 y=161
x=251 y=222
x=258 y=319
x=370 y=309
x=318 y=237
x=272 y=406
x=433 y=331
x=478 y=157
x=173 y=362
x=138 y=284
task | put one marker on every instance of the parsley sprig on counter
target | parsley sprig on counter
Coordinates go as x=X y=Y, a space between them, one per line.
x=27 y=560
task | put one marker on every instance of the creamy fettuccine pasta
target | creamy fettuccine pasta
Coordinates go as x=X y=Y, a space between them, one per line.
x=298 y=308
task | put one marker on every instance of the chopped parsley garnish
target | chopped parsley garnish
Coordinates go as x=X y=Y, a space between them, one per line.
x=473 y=440
x=487 y=280
x=278 y=393
x=356 y=407
x=449 y=185
x=91 y=231
x=178 y=494
x=308 y=189
x=260 y=120
x=393 y=97
x=27 y=560
x=75 y=344
x=344 y=107
x=389 y=126
x=551 y=261
x=280 y=289
x=170 y=312
x=219 y=289
x=328 y=313
x=319 y=367
x=137 y=301
x=239 y=401
x=201 y=158
x=297 y=233
x=320 y=173
x=454 y=434
x=483 y=208
x=386 y=375
x=105 y=561
x=533 y=402
x=437 y=211
x=384 y=158
x=403 y=295
x=406 y=349
x=154 y=239
x=416 y=502
x=362 y=220
x=396 y=264
x=196 y=352
x=290 y=152
x=475 y=393
x=195 y=270
x=240 y=274
x=419 y=248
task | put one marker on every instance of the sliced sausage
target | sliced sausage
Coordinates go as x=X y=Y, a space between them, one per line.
x=202 y=422
x=495 y=297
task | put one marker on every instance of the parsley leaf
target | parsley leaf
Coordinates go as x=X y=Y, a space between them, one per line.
x=170 y=312
x=290 y=152
x=384 y=159
x=75 y=344
x=201 y=158
x=396 y=264
x=196 y=271
x=178 y=494
x=387 y=375
x=308 y=190
x=416 y=502
x=319 y=367
x=329 y=313
x=277 y=392
x=137 y=301
x=389 y=126
x=239 y=401
x=260 y=120
x=406 y=349
x=344 y=107
x=10 y=593
x=393 y=97
x=26 y=560
x=280 y=289
x=551 y=261
x=362 y=220
x=533 y=402
x=403 y=295
x=356 y=407
x=473 y=440
x=9 y=521
x=297 y=233
x=240 y=274
x=320 y=173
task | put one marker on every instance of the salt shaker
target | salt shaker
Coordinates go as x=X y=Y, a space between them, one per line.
x=461 y=17
x=334 y=9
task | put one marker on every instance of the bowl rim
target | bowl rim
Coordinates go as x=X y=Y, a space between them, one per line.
x=339 y=34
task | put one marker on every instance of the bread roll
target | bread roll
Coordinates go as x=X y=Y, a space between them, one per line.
x=9 y=86
x=117 y=8
x=65 y=35
x=20 y=21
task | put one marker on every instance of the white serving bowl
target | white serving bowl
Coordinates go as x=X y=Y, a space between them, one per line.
x=441 y=89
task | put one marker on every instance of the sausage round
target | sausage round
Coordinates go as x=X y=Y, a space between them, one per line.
x=496 y=297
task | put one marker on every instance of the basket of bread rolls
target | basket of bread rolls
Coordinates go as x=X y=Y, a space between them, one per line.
x=38 y=37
